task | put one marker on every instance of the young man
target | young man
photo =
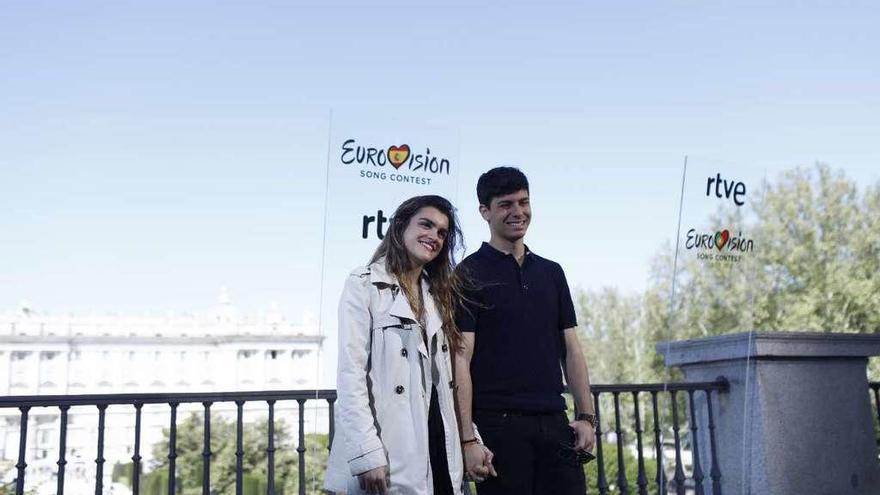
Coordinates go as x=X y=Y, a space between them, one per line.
x=519 y=332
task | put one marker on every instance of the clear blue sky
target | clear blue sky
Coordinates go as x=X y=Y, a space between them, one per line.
x=151 y=152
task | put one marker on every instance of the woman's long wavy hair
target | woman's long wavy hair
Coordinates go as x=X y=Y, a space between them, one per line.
x=447 y=284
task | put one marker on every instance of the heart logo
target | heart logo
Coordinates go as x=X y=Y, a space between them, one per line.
x=721 y=238
x=397 y=155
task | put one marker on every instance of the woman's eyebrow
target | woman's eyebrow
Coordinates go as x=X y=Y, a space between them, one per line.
x=430 y=222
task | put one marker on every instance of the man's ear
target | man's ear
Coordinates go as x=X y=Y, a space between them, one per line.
x=484 y=211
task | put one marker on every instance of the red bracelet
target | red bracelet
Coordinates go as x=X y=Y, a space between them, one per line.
x=466 y=442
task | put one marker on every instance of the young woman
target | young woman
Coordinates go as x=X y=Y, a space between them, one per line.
x=396 y=428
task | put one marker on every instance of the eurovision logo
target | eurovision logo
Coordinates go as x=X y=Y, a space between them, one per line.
x=719 y=245
x=421 y=167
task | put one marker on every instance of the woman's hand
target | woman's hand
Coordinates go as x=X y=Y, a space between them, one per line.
x=478 y=462
x=375 y=481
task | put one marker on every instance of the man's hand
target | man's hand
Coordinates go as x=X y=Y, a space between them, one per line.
x=478 y=462
x=375 y=481
x=585 y=437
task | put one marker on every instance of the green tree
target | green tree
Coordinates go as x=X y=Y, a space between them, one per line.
x=612 y=336
x=821 y=254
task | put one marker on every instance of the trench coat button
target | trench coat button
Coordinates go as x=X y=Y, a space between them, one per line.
x=444 y=347
x=452 y=384
x=399 y=389
x=403 y=352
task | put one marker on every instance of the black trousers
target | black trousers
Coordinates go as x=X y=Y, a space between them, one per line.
x=533 y=454
x=437 y=448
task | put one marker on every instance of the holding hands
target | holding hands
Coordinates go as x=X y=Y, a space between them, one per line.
x=478 y=462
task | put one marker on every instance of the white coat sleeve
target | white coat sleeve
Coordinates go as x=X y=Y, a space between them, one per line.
x=363 y=447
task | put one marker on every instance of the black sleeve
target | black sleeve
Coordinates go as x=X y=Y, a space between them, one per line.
x=567 y=315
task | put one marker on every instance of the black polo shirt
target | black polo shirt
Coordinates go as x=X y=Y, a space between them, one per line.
x=517 y=314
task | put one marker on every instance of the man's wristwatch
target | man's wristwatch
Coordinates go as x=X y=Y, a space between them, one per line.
x=589 y=418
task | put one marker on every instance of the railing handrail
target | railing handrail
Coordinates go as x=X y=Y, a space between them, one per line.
x=161 y=398
x=720 y=385
x=11 y=401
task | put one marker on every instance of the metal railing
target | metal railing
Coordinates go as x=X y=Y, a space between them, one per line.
x=102 y=401
x=679 y=482
x=625 y=423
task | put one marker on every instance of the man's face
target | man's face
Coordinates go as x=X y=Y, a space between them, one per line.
x=509 y=215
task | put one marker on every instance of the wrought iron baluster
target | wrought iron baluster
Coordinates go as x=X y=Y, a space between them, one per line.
x=270 y=451
x=601 y=481
x=642 y=480
x=172 y=450
x=136 y=458
x=206 y=451
x=239 y=446
x=660 y=477
x=715 y=471
x=62 y=450
x=22 y=448
x=330 y=403
x=622 y=484
x=301 y=447
x=679 y=469
x=99 y=461
x=695 y=450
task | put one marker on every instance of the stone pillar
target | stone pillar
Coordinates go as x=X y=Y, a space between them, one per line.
x=797 y=419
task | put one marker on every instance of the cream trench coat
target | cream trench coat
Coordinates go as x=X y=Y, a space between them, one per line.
x=381 y=413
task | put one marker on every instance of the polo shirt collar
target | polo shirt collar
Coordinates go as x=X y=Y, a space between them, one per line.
x=490 y=250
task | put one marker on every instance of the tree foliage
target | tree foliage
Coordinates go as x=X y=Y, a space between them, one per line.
x=815 y=267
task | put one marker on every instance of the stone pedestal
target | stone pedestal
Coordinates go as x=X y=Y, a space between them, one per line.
x=797 y=419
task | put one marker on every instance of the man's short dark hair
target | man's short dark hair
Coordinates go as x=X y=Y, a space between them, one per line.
x=500 y=181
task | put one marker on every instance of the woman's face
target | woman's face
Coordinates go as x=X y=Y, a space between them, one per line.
x=425 y=234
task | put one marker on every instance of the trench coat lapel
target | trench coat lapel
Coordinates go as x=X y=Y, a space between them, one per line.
x=433 y=322
x=380 y=277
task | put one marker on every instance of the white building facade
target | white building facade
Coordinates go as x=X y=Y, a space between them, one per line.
x=70 y=355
